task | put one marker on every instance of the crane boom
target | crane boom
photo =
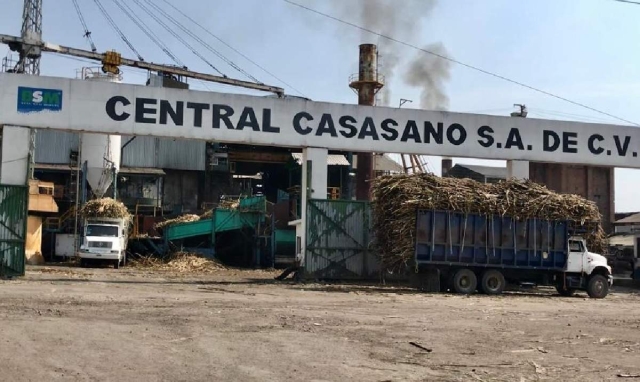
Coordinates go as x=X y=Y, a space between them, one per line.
x=16 y=42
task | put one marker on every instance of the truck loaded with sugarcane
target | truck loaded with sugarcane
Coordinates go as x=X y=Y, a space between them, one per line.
x=106 y=224
x=463 y=235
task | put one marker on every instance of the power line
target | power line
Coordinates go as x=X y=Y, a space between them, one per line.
x=628 y=2
x=174 y=34
x=200 y=40
x=460 y=62
x=231 y=47
x=87 y=33
x=563 y=117
x=569 y=115
x=117 y=29
x=124 y=7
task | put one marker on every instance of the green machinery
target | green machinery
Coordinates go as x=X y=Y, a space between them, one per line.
x=251 y=212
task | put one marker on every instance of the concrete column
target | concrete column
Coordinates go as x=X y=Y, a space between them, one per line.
x=314 y=184
x=16 y=144
x=517 y=169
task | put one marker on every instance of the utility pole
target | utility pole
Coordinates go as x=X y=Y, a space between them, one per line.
x=367 y=83
x=29 y=51
x=518 y=169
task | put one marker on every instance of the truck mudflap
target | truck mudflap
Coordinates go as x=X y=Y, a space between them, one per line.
x=610 y=279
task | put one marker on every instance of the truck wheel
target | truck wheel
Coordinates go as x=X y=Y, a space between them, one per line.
x=598 y=286
x=492 y=282
x=465 y=281
x=124 y=259
x=116 y=264
x=564 y=291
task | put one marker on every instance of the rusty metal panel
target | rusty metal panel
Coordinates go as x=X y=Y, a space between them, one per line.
x=141 y=152
x=181 y=154
x=54 y=146
x=338 y=240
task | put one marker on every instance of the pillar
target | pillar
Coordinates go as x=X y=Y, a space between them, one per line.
x=517 y=169
x=314 y=184
x=16 y=145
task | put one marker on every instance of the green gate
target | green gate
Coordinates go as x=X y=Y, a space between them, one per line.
x=338 y=240
x=13 y=228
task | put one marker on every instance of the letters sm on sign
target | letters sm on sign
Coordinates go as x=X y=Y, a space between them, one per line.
x=174 y=113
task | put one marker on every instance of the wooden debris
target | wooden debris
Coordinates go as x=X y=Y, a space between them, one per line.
x=181 y=262
x=396 y=199
x=420 y=347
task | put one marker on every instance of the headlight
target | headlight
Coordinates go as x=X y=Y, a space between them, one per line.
x=115 y=251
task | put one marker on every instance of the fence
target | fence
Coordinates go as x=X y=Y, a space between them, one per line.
x=339 y=240
x=13 y=228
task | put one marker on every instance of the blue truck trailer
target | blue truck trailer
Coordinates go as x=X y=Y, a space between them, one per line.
x=469 y=252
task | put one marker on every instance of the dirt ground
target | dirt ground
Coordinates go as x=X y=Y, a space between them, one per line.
x=73 y=324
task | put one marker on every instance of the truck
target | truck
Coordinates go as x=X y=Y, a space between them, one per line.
x=104 y=239
x=635 y=268
x=466 y=252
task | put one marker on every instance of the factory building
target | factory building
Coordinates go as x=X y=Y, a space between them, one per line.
x=593 y=183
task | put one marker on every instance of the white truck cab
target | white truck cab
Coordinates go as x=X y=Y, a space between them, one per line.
x=104 y=239
x=585 y=270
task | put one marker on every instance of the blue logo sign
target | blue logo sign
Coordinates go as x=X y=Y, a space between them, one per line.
x=36 y=99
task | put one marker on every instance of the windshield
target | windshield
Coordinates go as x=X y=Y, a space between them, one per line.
x=102 y=230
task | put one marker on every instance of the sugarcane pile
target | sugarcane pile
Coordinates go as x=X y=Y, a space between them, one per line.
x=104 y=208
x=180 y=262
x=397 y=198
x=180 y=219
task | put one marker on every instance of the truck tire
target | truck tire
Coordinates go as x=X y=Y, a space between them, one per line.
x=598 y=286
x=493 y=282
x=116 y=264
x=564 y=291
x=465 y=281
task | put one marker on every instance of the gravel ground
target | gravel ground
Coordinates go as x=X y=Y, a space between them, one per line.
x=61 y=323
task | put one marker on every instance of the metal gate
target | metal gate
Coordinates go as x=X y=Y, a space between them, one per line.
x=338 y=240
x=13 y=228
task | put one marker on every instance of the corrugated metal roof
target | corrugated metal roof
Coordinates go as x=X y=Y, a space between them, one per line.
x=142 y=171
x=55 y=167
x=487 y=171
x=332 y=159
x=635 y=218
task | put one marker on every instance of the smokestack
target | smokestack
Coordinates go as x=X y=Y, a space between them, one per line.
x=367 y=83
x=447 y=163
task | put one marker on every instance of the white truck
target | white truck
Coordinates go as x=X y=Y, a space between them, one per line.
x=104 y=239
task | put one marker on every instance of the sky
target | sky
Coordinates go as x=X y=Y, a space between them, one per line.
x=583 y=50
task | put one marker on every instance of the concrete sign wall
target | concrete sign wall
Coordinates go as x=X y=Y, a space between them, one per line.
x=58 y=103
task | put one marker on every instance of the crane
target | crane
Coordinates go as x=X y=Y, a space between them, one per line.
x=112 y=60
x=30 y=47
